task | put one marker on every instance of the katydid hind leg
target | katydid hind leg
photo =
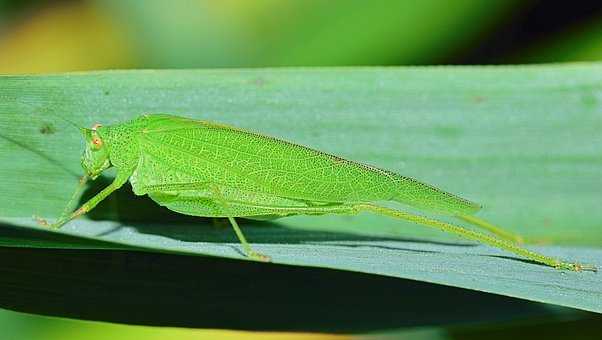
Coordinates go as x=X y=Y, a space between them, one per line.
x=475 y=236
x=355 y=208
x=495 y=230
x=443 y=226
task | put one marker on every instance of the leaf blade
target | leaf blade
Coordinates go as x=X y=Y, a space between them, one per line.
x=462 y=129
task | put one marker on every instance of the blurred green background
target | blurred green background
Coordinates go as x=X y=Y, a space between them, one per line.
x=58 y=36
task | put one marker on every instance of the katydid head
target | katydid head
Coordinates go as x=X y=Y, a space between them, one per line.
x=95 y=158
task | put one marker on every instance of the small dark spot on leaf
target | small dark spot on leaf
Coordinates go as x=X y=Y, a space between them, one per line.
x=47 y=129
x=547 y=222
x=478 y=99
x=259 y=82
x=589 y=100
x=447 y=131
x=107 y=92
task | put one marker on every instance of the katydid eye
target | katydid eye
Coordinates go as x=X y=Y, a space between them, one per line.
x=97 y=142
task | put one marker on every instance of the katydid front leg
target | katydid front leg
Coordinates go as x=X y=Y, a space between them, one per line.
x=78 y=190
x=119 y=180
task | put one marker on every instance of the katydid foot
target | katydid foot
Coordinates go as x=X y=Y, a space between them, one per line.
x=44 y=223
x=250 y=253
x=576 y=267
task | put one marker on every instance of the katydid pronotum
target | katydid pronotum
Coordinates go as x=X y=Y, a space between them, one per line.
x=205 y=169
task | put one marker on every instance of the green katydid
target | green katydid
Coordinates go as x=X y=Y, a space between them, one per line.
x=206 y=169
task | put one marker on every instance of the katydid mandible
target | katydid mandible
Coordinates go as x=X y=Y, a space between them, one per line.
x=201 y=168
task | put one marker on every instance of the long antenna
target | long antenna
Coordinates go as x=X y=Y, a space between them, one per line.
x=57 y=116
x=69 y=121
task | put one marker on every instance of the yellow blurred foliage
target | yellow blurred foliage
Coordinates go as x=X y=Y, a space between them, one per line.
x=99 y=331
x=70 y=37
x=21 y=326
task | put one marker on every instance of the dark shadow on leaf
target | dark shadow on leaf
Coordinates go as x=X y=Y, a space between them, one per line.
x=25 y=237
x=157 y=289
x=377 y=246
x=516 y=259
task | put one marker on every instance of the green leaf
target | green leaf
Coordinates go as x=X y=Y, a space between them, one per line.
x=524 y=141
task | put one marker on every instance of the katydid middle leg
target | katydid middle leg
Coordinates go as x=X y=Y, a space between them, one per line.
x=241 y=237
x=220 y=202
